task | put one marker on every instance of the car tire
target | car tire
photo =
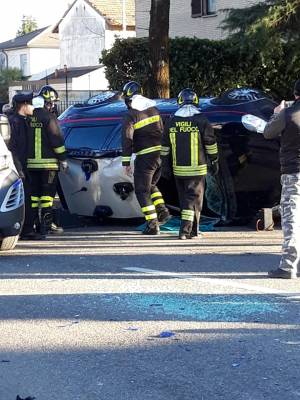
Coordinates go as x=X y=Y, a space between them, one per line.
x=8 y=243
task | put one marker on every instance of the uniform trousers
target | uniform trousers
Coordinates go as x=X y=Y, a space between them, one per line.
x=290 y=221
x=147 y=172
x=43 y=188
x=190 y=194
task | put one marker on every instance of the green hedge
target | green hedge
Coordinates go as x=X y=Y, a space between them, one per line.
x=209 y=67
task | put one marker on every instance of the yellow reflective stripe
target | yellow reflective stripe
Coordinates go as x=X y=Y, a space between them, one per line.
x=150 y=216
x=159 y=201
x=126 y=159
x=34 y=205
x=46 y=205
x=38 y=143
x=187 y=215
x=146 y=121
x=59 y=150
x=43 y=166
x=148 y=208
x=46 y=198
x=173 y=143
x=164 y=150
x=191 y=212
x=156 y=194
x=41 y=160
x=34 y=198
x=211 y=149
x=194 y=148
x=149 y=150
x=185 y=168
x=190 y=173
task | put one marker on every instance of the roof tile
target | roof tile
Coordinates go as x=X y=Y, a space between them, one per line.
x=112 y=10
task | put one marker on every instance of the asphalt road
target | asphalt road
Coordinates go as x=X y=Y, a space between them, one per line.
x=106 y=313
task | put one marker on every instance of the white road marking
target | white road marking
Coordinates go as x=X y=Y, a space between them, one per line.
x=218 y=282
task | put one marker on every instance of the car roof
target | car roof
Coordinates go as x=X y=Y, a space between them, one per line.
x=216 y=111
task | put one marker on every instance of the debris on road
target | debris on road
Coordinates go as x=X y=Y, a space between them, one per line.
x=166 y=334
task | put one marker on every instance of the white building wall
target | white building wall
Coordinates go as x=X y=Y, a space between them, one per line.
x=42 y=60
x=94 y=80
x=14 y=59
x=181 y=21
x=82 y=36
x=111 y=36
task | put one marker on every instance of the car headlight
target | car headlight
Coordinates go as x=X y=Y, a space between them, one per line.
x=4 y=162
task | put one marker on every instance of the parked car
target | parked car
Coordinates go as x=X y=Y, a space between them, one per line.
x=95 y=185
x=11 y=193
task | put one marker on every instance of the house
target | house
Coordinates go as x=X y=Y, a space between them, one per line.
x=32 y=53
x=90 y=26
x=84 y=31
x=190 y=18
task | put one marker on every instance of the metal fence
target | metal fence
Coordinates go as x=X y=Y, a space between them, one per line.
x=73 y=97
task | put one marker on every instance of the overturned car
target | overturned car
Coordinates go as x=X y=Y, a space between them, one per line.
x=11 y=193
x=95 y=185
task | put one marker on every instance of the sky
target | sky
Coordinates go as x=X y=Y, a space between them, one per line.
x=46 y=12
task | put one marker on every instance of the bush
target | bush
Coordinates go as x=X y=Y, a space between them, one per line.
x=208 y=67
x=6 y=77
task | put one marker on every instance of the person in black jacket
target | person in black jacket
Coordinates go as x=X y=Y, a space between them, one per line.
x=188 y=142
x=285 y=123
x=18 y=145
x=142 y=135
x=46 y=155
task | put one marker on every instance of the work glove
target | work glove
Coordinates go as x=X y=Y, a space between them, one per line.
x=214 y=167
x=63 y=166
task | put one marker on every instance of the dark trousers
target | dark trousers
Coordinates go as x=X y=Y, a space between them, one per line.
x=190 y=194
x=43 y=189
x=147 y=171
x=29 y=219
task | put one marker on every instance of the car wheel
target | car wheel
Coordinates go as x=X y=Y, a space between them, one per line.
x=8 y=243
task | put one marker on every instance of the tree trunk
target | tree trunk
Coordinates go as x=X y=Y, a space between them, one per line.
x=159 y=48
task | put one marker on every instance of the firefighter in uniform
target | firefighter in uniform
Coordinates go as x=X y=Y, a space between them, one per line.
x=188 y=141
x=142 y=135
x=18 y=144
x=51 y=98
x=46 y=155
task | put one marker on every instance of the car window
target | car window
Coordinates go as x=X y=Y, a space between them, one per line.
x=100 y=137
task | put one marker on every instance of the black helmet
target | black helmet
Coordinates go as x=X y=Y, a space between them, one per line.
x=22 y=97
x=187 y=96
x=130 y=89
x=49 y=94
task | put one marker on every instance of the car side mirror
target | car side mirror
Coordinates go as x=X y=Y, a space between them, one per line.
x=253 y=123
x=5 y=128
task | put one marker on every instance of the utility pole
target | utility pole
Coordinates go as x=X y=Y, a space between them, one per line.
x=66 y=81
x=159 y=48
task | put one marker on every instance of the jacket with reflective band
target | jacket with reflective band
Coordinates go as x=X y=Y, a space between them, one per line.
x=187 y=141
x=45 y=142
x=286 y=125
x=141 y=134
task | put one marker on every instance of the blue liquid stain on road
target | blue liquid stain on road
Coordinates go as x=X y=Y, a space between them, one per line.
x=227 y=308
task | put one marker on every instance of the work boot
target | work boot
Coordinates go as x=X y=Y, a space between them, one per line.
x=46 y=222
x=55 y=230
x=152 y=228
x=281 y=273
x=163 y=215
x=185 y=230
